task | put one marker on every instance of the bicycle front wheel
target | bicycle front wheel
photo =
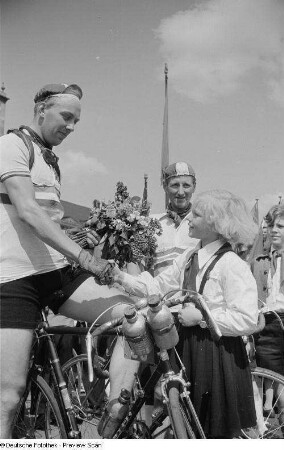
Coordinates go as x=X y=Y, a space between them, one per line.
x=269 y=405
x=87 y=398
x=38 y=415
x=183 y=418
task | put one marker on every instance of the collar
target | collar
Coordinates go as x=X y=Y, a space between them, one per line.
x=49 y=157
x=177 y=218
x=38 y=140
x=206 y=253
x=165 y=215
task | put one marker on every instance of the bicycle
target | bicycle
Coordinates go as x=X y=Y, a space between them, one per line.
x=88 y=397
x=45 y=412
x=184 y=422
x=268 y=426
x=175 y=388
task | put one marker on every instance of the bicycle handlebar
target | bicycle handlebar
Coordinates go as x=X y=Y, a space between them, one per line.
x=200 y=303
x=191 y=296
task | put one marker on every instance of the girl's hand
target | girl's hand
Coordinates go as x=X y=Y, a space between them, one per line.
x=189 y=316
x=117 y=274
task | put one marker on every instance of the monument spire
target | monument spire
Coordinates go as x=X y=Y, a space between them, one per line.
x=3 y=100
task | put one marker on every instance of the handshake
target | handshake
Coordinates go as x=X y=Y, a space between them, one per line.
x=104 y=270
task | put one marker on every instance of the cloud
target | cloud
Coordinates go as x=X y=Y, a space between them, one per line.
x=77 y=163
x=213 y=46
x=80 y=176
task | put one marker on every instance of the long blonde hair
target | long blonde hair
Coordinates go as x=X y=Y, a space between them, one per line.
x=228 y=215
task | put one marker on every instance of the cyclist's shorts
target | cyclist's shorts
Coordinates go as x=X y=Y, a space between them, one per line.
x=21 y=300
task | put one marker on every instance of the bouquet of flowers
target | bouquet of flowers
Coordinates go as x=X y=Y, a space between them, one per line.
x=127 y=233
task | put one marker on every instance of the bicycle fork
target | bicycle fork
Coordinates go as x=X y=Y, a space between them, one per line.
x=169 y=379
x=189 y=411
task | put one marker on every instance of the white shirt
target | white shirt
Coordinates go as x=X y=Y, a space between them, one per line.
x=230 y=292
x=172 y=242
x=22 y=253
x=275 y=298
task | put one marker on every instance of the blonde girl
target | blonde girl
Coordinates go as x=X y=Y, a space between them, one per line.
x=219 y=373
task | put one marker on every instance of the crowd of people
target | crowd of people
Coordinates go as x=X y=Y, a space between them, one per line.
x=41 y=266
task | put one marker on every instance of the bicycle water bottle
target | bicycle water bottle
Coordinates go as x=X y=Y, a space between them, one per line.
x=109 y=425
x=136 y=334
x=161 y=322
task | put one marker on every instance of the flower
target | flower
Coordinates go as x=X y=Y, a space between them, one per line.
x=129 y=235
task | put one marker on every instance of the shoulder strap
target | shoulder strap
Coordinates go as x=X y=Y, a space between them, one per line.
x=28 y=143
x=224 y=249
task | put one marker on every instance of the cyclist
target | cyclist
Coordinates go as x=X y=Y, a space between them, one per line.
x=219 y=373
x=179 y=182
x=34 y=249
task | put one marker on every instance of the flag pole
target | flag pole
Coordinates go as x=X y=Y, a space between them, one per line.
x=145 y=206
x=255 y=212
x=165 y=142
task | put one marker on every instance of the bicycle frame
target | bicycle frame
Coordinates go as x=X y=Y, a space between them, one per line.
x=62 y=394
x=178 y=379
x=165 y=370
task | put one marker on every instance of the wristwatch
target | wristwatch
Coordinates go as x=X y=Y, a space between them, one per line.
x=202 y=324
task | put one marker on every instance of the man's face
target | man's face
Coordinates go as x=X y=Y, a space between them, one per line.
x=277 y=233
x=60 y=119
x=180 y=190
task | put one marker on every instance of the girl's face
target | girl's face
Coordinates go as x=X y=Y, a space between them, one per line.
x=199 y=228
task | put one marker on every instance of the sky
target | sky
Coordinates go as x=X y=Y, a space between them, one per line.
x=226 y=90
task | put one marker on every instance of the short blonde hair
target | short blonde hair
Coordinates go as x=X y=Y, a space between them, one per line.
x=228 y=215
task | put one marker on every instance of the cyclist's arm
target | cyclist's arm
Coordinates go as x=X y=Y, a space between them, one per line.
x=21 y=193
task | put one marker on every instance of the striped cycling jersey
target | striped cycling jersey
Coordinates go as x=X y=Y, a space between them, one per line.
x=22 y=253
x=172 y=243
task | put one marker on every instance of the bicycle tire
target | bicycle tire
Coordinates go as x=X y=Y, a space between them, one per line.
x=38 y=415
x=179 y=415
x=85 y=396
x=268 y=426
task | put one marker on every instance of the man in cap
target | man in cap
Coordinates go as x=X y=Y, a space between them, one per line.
x=35 y=252
x=179 y=184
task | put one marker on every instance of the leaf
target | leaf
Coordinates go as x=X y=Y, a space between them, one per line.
x=111 y=239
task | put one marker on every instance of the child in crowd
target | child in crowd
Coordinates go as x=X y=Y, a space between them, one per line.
x=268 y=269
x=221 y=387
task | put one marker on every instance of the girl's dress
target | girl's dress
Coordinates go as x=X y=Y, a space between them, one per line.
x=221 y=388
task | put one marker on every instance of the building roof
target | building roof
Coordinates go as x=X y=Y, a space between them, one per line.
x=74 y=211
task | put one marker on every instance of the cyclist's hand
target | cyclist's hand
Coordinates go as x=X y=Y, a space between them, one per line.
x=92 y=237
x=85 y=237
x=189 y=316
x=101 y=268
